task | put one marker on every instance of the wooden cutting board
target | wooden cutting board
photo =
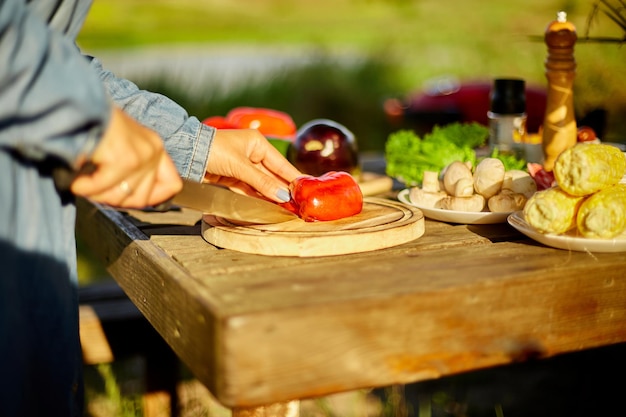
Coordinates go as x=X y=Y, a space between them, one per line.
x=381 y=224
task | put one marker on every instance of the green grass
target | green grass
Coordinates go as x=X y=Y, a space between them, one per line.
x=117 y=403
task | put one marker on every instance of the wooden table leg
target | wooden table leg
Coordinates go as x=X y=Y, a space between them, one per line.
x=288 y=409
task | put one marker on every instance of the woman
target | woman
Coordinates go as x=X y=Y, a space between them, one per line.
x=58 y=111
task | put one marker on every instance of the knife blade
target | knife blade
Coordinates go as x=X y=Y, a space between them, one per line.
x=208 y=198
x=222 y=202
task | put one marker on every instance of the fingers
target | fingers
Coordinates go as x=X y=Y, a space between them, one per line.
x=269 y=157
x=268 y=185
x=136 y=190
x=247 y=156
x=132 y=169
x=233 y=184
x=168 y=183
x=276 y=163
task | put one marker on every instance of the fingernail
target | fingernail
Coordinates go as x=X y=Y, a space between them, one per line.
x=283 y=195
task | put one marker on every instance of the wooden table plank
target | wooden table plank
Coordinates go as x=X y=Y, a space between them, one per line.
x=259 y=330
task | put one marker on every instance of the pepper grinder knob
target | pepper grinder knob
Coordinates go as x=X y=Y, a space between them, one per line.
x=559 y=125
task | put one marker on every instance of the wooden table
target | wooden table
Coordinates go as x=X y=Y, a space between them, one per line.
x=258 y=330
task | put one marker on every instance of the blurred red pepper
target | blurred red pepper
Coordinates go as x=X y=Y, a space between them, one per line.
x=331 y=196
x=218 y=122
x=271 y=123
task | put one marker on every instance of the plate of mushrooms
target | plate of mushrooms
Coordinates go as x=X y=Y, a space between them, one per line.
x=464 y=194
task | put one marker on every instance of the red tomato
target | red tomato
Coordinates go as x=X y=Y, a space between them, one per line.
x=271 y=123
x=586 y=134
x=543 y=178
x=218 y=122
x=331 y=196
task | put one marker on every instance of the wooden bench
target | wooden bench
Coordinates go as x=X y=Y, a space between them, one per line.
x=112 y=328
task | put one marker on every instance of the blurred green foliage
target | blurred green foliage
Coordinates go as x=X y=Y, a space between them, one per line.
x=404 y=43
x=352 y=95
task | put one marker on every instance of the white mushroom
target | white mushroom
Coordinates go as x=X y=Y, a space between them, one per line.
x=464 y=188
x=422 y=198
x=474 y=203
x=431 y=183
x=454 y=172
x=506 y=201
x=520 y=182
x=488 y=177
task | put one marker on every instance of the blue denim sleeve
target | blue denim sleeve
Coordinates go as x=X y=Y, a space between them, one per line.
x=186 y=139
x=52 y=103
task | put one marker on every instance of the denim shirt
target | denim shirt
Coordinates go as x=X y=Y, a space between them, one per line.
x=54 y=106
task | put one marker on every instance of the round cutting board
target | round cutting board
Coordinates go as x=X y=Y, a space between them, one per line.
x=381 y=224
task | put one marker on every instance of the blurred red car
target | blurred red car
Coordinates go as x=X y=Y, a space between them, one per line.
x=445 y=100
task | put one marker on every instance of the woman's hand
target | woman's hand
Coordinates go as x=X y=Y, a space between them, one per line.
x=244 y=160
x=132 y=169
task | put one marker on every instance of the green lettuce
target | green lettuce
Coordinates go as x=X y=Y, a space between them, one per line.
x=509 y=161
x=408 y=156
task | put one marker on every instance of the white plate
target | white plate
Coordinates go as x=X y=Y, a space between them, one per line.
x=569 y=240
x=452 y=216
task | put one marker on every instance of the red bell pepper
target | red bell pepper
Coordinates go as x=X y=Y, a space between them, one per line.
x=218 y=122
x=271 y=123
x=331 y=196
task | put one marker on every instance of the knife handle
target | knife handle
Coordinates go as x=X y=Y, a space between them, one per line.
x=63 y=175
x=164 y=206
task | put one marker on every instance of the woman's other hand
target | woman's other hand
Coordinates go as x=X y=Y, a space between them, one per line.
x=132 y=169
x=244 y=160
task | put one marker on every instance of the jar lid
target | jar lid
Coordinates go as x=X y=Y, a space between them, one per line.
x=508 y=96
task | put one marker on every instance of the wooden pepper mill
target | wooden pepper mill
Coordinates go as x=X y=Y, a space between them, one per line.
x=559 y=125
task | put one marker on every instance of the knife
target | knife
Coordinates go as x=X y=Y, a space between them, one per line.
x=222 y=202
x=208 y=198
